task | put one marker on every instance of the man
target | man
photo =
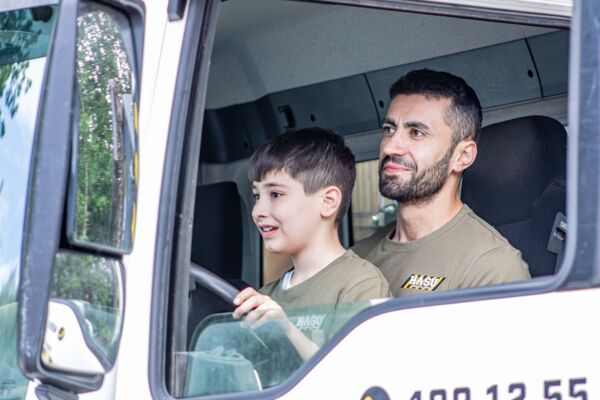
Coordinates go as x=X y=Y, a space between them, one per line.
x=437 y=243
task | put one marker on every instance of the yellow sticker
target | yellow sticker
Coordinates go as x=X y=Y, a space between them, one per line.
x=423 y=282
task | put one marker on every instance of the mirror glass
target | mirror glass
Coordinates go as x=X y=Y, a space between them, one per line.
x=85 y=314
x=104 y=166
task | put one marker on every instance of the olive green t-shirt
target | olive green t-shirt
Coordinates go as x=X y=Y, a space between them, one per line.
x=347 y=278
x=312 y=305
x=466 y=252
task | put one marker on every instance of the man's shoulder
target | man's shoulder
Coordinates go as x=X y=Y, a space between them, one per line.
x=480 y=233
x=494 y=259
x=364 y=247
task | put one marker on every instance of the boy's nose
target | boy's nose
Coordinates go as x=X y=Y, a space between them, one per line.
x=258 y=211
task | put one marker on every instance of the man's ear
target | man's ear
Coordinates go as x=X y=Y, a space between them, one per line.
x=331 y=200
x=464 y=155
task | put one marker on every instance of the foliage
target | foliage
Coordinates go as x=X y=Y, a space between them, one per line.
x=17 y=38
x=101 y=58
x=84 y=277
x=93 y=282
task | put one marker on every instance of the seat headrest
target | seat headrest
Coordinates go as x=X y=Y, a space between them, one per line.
x=516 y=161
x=217 y=231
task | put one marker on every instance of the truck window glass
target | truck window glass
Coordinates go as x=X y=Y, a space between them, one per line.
x=24 y=40
x=225 y=356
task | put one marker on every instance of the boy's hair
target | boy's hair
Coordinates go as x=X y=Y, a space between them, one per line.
x=315 y=157
x=464 y=113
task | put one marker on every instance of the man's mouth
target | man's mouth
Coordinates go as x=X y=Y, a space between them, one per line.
x=395 y=168
x=396 y=165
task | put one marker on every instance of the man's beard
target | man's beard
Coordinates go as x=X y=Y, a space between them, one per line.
x=422 y=186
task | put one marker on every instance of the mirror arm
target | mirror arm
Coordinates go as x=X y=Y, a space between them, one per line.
x=46 y=196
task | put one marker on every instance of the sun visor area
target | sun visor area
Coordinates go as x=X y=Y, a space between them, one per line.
x=503 y=74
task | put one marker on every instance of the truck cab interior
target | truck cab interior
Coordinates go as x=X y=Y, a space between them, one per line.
x=282 y=65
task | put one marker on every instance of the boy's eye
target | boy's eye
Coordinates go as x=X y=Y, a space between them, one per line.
x=256 y=196
x=275 y=195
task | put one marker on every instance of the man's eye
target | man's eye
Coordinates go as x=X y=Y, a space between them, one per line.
x=387 y=130
x=418 y=133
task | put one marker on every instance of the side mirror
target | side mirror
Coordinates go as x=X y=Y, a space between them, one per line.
x=85 y=314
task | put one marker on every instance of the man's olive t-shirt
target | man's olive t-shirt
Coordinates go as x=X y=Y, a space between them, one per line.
x=347 y=278
x=466 y=252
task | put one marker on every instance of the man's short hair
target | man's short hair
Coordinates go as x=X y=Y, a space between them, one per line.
x=463 y=114
x=316 y=157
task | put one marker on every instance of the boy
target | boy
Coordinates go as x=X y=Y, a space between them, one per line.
x=302 y=185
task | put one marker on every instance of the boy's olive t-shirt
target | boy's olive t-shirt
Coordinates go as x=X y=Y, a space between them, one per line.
x=313 y=305
x=347 y=278
x=466 y=252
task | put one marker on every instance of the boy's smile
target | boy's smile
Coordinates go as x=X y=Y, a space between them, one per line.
x=285 y=215
x=267 y=231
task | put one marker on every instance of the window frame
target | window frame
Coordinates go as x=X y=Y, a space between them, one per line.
x=170 y=269
x=171 y=272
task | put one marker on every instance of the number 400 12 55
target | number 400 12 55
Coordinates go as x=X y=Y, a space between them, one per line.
x=552 y=390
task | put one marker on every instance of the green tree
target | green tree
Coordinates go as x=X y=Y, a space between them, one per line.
x=102 y=66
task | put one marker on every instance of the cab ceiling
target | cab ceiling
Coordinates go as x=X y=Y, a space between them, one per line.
x=265 y=46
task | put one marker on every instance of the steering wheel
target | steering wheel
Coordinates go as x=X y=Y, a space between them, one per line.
x=214 y=283
x=265 y=346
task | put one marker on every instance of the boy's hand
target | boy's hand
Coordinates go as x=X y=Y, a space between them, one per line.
x=258 y=309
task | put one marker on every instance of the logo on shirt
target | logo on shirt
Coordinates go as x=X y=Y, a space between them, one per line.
x=423 y=282
x=310 y=322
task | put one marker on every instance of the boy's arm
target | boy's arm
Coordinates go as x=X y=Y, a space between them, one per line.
x=259 y=309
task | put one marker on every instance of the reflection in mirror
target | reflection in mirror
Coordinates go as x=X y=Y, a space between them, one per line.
x=85 y=314
x=104 y=178
x=226 y=357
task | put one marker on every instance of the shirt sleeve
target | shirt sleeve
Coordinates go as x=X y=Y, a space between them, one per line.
x=367 y=289
x=495 y=267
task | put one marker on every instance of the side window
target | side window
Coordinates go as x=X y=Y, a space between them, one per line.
x=370 y=210
x=103 y=184
x=24 y=38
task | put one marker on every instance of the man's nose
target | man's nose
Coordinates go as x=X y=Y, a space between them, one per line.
x=395 y=144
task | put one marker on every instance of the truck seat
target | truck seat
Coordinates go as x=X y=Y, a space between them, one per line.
x=216 y=246
x=517 y=184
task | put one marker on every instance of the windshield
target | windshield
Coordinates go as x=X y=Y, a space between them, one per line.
x=225 y=356
x=24 y=39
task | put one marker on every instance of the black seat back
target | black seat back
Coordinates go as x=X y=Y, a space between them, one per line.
x=217 y=246
x=217 y=232
x=517 y=184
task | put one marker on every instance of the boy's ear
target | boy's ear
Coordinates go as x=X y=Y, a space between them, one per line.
x=331 y=200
